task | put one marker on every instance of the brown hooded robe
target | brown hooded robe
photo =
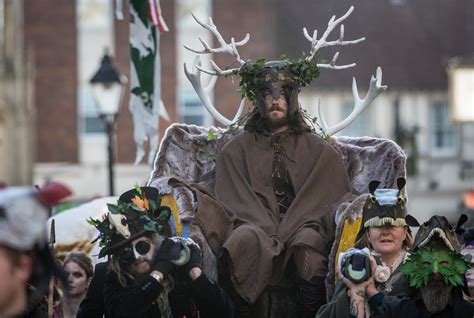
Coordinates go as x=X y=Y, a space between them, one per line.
x=244 y=217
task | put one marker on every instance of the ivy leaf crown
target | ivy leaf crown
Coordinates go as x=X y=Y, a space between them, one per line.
x=301 y=72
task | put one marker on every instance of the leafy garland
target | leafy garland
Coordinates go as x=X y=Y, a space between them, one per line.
x=251 y=80
x=251 y=74
x=143 y=210
x=421 y=264
x=316 y=128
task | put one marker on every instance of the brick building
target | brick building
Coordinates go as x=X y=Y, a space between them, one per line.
x=411 y=43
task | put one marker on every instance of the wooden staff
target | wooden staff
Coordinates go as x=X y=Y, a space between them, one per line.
x=52 y=240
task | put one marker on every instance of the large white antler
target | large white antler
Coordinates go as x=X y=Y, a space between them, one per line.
x=375 y=89
x=195 y=78
x=230 y=48
x=322 y=42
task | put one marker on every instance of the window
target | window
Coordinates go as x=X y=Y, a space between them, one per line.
x=360 y=126
x=90 y=121
x=95 y=27
x=441 y=129
x=192 y=110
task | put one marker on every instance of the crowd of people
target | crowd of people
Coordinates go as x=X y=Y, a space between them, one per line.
x=276 y=187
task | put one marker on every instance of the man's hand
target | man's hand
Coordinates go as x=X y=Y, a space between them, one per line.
x=193 y=266
x=162 y=260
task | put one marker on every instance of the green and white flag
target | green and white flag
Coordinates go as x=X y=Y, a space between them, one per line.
x=145 y=71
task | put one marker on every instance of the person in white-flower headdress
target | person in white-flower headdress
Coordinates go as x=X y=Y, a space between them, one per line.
x=386 y=240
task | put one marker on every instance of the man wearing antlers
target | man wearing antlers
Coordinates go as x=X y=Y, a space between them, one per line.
x=277 y=183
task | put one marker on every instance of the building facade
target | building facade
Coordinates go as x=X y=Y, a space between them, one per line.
x=412 y=45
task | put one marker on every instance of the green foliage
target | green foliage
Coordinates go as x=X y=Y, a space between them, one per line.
x=140 y=211
x=251 y=74
x=63 y=206
x=164 y=215
x=305 y=70
x=315 y=127
x=430 y=258
x=105 y=232
x=250 y=78
x=211 y=136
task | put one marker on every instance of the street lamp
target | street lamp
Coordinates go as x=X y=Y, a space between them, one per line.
x=108 y=86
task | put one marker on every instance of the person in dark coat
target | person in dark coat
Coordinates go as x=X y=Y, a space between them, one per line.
x=436 y=272
x=277 y=186
x=151 y=274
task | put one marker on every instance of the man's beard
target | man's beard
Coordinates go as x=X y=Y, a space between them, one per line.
x=277 y=122
x=436 y=295
x=138 y=274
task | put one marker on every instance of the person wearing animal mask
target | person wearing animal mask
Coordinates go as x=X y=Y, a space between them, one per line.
x=151 y=274
x=467 y=249
x=435 y=270
x=386 y=241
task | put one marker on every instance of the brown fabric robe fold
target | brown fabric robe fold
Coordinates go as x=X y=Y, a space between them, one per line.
x=244 y=217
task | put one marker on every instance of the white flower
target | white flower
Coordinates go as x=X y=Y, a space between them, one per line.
x=382 y=274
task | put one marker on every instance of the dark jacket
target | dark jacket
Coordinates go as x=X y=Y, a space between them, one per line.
x=338 y=307
x=244 y=194
x=36 y=304
x=139 y=298
x=414 y=307
x=93 y=304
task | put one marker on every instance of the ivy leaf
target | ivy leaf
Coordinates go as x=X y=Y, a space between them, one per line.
x=165 y=214
x=138 y=190
x=114 y=209
x=211 y=136
x=150 y=227
x=152 y=205
x=136 y=208
x=93 y=222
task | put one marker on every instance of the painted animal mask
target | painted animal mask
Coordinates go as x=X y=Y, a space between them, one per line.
x=436 y=250
x=383 y=206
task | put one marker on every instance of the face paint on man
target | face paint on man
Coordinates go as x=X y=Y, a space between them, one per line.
x=143 y=251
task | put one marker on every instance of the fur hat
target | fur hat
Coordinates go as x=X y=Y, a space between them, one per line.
x=23 y=214
x=383 y=206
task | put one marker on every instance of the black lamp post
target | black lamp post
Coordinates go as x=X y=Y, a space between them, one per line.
x=108 y=86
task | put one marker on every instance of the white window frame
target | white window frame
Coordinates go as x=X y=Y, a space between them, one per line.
x=88 y=65
x=190 y=96
x=446 y=126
